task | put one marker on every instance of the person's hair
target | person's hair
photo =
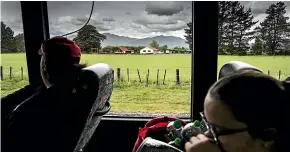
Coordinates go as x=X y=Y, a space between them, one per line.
x=258 y=100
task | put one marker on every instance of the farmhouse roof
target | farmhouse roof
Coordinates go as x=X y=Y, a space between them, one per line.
x=123 y=49
x=154 y=49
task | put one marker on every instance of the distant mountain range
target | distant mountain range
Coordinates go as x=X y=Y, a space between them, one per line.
x=170 y=41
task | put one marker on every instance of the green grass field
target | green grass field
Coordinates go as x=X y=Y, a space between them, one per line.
x=132 y=96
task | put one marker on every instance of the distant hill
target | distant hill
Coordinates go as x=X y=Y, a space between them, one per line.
x=170 y=41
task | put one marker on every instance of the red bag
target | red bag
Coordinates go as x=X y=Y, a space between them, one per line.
x=155 y=128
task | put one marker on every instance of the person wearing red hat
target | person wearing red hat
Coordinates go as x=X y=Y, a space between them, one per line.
x=59 y=64
x=49 y=114
x=60 y=61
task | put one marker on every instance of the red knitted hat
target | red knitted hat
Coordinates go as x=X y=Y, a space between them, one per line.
x=61 y=47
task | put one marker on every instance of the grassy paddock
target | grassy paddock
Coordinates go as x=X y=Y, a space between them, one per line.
x=134 y=97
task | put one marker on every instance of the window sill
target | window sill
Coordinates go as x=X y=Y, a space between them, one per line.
x=112 y=116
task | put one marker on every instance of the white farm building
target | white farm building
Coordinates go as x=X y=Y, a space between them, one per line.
x=148 y=50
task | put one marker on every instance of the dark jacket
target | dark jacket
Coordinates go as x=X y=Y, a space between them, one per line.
x=9 y=102
x=50 y=121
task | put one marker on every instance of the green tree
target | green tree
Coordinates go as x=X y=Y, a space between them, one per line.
x=88 y=38
x=107 y=49
x=231 y=25
x=19 y=42
x=272 y=29
x=286 y=41
x=188 y=36
x=178 y=49
x=154 y=44
x=163 y=48
x=234 y=26
x=223 y=16
x=261 y=34
x=7 y=38
x=133 y=48
x=244 y=35
x=257 y=46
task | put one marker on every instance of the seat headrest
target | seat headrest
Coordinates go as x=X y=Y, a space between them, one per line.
x=233 y=66
x=94 y=78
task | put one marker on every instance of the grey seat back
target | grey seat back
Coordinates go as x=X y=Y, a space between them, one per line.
x=233 y=66
x=95 y=87
x=287 y=79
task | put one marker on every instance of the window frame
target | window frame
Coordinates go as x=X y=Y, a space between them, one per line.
x=204 y=54
x=203 y=60
x=36 y=30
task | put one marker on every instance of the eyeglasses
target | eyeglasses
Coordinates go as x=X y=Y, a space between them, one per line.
x=206 y=126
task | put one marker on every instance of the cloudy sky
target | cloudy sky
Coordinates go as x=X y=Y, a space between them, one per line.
x=133 y=19
x=259 y=8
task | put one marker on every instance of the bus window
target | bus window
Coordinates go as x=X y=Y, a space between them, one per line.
x=147 y=81
x=250 y=40
x=14 y=75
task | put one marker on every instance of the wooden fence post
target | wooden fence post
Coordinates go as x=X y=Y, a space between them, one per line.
x=158 y=77
x=1 y=70
x=279 y=74
x=128 y=74
x=164 y=77
x=21 y=73
x=147 y=79
x=269 y=72
x=177 y=77
x=139 y=75
x=118 y=74
x=10 y=72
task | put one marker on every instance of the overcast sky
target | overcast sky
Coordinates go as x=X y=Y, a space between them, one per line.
x=133 y=19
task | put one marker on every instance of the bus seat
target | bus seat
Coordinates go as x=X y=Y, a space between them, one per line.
x=287 y=79
x=96 y=85
x=233 y=66
x=61 y=119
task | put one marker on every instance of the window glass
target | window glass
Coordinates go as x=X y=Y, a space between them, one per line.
x=249 y=36
x=134 y=26
x=13 y=59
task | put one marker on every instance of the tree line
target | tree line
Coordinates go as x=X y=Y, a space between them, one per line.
x=9 y=42
x=164 y=48
x=136 y=49
x=89 y=40
x=236 y=29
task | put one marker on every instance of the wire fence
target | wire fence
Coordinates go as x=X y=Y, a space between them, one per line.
x=133 y=76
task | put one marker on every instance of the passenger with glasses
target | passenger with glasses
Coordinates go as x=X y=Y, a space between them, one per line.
x=245 y=112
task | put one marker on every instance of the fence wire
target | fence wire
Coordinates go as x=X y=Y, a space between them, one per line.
x=155 y=76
